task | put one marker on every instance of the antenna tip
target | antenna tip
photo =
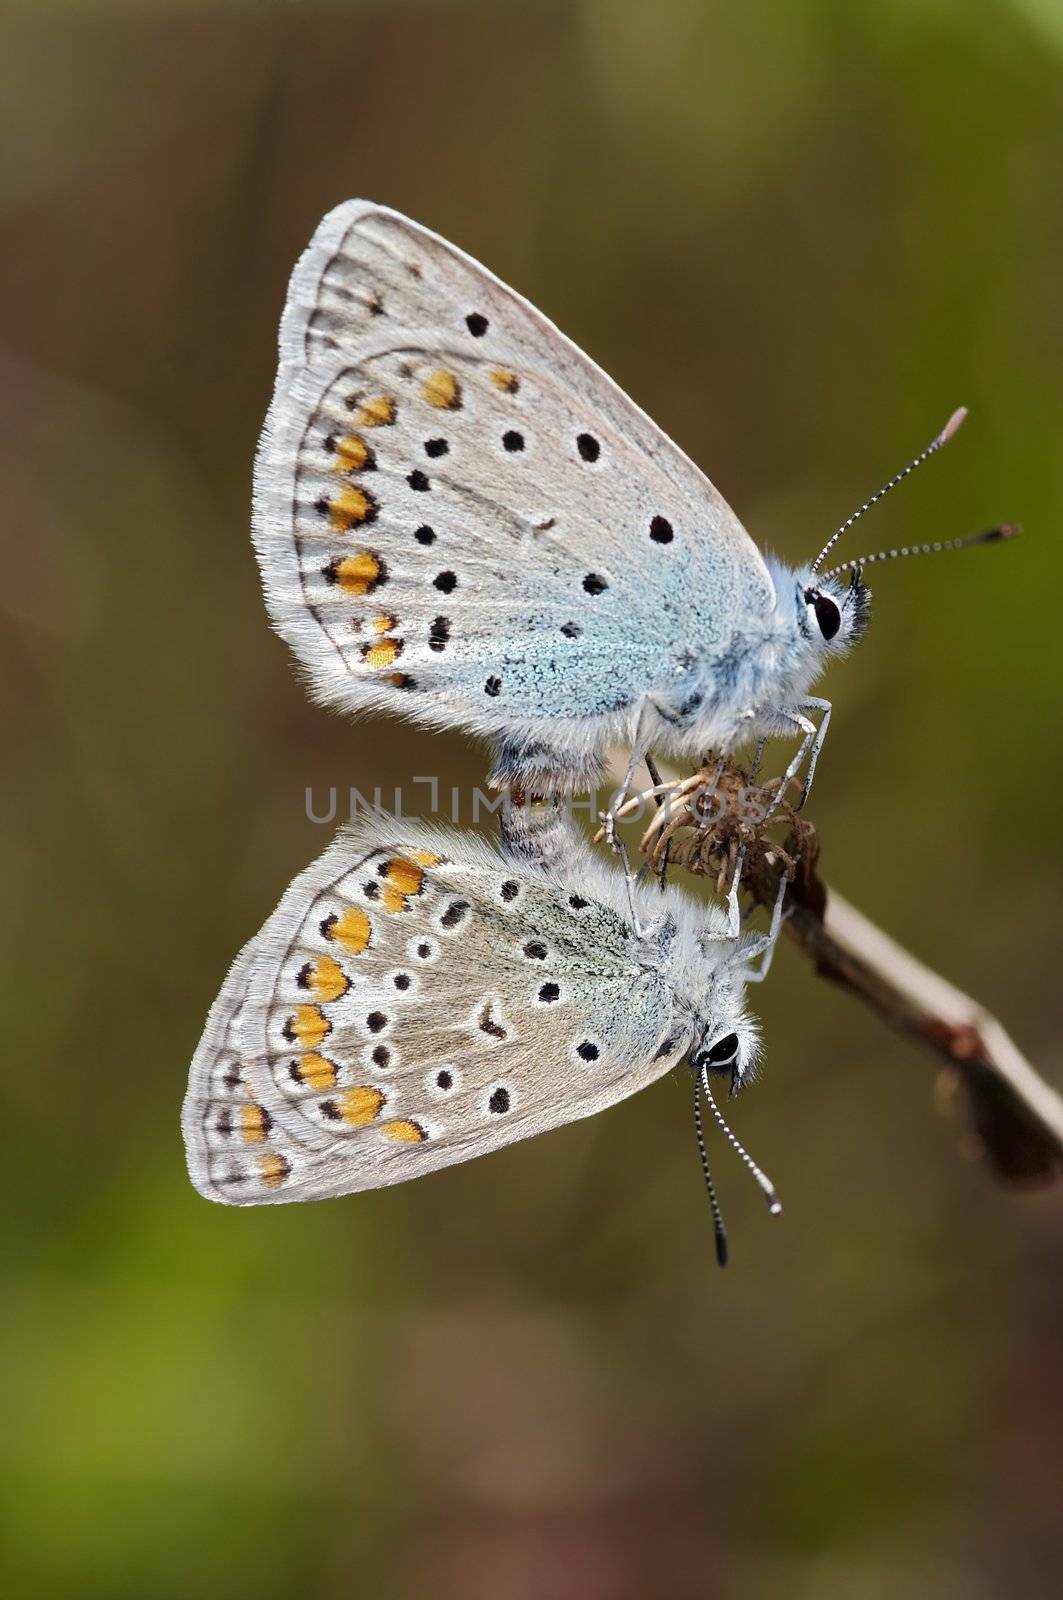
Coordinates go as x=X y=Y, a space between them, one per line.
x=952 y=426
x=775 y=1207
x=721 y=1247
x=1003 y=530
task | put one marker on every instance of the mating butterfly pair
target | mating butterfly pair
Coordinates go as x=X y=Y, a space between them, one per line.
x=461 y=519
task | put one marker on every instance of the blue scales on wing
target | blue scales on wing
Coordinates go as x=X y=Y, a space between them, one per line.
x=461 y=518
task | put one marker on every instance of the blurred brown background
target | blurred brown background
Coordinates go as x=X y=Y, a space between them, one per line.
x=799 y=234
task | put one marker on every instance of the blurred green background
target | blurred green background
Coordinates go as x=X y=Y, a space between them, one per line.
x=799 y=234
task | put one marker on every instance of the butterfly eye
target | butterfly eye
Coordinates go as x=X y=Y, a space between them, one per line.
x=722 y=1054
x=827 y=614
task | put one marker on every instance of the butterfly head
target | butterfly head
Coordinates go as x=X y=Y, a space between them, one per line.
x=727 y=1047
x=831 y=615
x=725 y=1038
x=709 y=972
x=705 y=969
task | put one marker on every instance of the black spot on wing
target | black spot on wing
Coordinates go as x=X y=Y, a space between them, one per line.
x=487 y=1023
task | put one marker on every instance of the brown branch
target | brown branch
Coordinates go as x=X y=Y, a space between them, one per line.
x=1016 y=1117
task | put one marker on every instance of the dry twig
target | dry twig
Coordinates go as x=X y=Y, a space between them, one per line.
x=703 y=821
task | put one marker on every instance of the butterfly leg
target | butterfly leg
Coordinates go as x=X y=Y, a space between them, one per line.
x=764 y=946
x=630 y=880
x=640 y=745
x=758 y=757
x=618 y=844
x=812 y=738
x=655 y=779
x=609 y=818
x=814 y=704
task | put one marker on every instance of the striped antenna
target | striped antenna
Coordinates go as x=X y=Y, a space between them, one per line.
x=717 y=1215
x=774 y=1203
x=1003 y=530
x=951 y=427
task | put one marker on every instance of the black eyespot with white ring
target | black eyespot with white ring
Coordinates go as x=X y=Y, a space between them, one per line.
x=381 y=1057
x=828 y=616
x=720 y=1056
x=442 y=1082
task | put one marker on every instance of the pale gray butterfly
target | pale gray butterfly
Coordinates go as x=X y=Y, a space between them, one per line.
x=460 y=517
x=419 y=998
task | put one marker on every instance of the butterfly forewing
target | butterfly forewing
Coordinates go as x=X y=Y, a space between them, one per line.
x=459 y=516
x=416 y=1000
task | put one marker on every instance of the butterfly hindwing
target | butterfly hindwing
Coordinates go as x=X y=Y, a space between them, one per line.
x=459 y=516
x=416 y=1000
